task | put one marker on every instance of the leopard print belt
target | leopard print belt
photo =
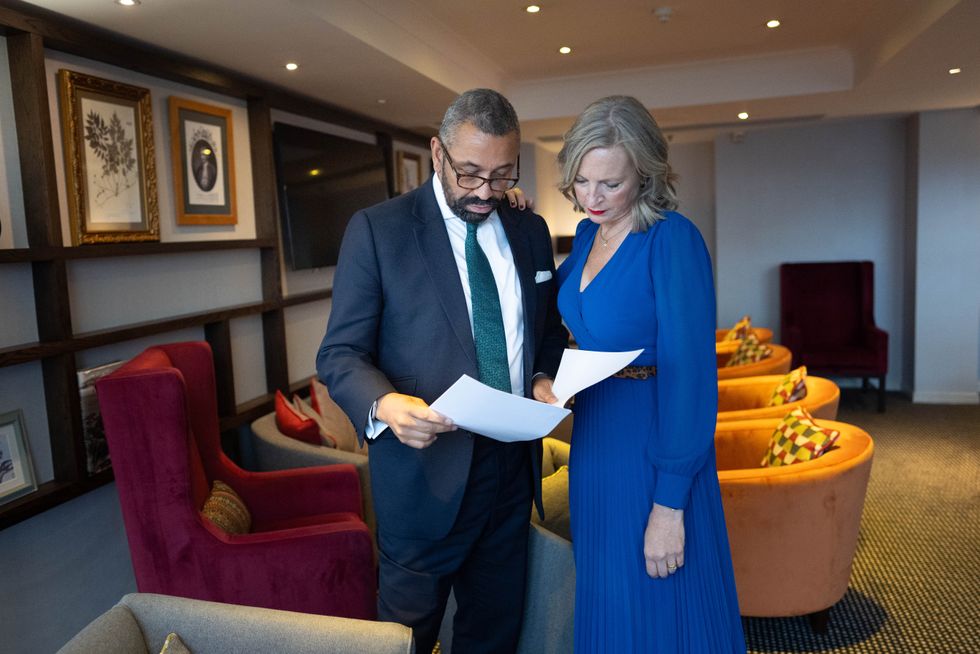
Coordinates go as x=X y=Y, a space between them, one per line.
x=636 y=372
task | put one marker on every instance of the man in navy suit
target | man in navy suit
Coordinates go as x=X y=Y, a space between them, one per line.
x=443 y=281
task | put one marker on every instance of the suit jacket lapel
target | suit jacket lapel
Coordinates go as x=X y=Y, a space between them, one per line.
x=437 y=255
x=520 y=247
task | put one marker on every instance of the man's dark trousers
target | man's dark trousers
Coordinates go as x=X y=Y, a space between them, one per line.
x=484 y=559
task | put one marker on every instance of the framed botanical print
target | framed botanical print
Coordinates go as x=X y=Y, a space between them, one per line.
x=202 y=145
x=107 y=128
x=408 y=171
x=16 y=471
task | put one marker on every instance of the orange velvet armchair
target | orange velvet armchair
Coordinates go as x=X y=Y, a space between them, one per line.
x=747 y=398
x=777 y=363
x=793 y=529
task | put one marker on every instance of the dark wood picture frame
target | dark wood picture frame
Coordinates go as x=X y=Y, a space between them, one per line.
x=110 y=168
x=408 y=171
x=203 y=152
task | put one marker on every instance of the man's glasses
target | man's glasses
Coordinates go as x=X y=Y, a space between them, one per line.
x=473 y=182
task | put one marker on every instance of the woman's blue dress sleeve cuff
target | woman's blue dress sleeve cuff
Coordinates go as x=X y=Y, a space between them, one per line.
x=672 y=490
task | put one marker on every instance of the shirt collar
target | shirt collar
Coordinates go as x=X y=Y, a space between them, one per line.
x=447 y=213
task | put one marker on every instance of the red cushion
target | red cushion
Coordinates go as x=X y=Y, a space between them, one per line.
x=294 y=424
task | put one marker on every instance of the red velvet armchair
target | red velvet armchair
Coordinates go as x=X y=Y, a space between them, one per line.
x=308 y=549
x=827 y=319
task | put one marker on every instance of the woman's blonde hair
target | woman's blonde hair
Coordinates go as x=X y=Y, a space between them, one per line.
x=622 y=120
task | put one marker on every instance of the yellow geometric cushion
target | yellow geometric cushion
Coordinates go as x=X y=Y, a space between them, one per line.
x=174 y=645
x=749 y=351
x=740 y=330
x=798 y=438
x=554 y=501
x=791 y=388
x=226 y=509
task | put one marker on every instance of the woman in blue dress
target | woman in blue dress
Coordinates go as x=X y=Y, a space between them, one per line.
x=653 y=567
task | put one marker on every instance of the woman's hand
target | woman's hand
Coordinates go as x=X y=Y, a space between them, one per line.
x=517 y=199
x=663 y=541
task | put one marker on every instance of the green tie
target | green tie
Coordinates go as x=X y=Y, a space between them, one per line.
x=488 y=321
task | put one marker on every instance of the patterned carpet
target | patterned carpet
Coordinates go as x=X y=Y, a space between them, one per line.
x=915 y=585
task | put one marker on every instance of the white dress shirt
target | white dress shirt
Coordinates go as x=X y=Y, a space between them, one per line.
x=493 y=241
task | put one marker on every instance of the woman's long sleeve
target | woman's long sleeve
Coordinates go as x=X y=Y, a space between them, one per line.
x=687 y=378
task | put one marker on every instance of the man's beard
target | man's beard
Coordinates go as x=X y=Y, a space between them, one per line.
x=459 y=205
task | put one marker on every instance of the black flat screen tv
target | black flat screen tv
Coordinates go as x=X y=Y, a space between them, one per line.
x=322 y=181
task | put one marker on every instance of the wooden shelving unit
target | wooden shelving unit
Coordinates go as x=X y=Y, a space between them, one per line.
x=31 y=31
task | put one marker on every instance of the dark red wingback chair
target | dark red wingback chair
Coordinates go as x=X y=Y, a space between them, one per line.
x=827 y=319
x=308 y=549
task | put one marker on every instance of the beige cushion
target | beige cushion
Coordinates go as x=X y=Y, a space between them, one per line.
x=327 y=439
x=334 y=419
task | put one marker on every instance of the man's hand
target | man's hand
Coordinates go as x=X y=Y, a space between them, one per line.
x=411 y=419
x=541 y=389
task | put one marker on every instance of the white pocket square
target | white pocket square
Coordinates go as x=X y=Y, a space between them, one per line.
x=542 y=276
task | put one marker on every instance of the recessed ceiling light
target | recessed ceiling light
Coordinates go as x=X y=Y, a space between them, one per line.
x=532 y=9
x=955 y=71
x=382 y=100
x=292 y=66
x=564 y=49
x=773 y=24
x=743 y=115
x=128 y=3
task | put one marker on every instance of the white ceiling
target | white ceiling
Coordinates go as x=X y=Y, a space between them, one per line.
x=713 y=58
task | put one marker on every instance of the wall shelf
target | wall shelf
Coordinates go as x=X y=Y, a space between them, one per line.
x=31 y=32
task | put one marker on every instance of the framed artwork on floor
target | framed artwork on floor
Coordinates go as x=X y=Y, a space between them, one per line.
x=93 y=431
x=408 y=171
x=16 y=471
x=202 y=145
x=110 y=171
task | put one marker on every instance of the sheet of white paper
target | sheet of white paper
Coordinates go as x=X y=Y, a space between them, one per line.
x=579 y=369
x=502 y=416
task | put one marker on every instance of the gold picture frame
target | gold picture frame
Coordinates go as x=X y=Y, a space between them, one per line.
x=110 y=169
x=202 y=146
x=408 y=171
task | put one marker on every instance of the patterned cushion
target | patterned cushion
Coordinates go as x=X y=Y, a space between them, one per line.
x=791 y=388
x=740 y=330
x=335 y=421
x=291 y=421
x=798 y=438
x=174 y=645
x=554 y=501
x=226 y=509
x=750 y=351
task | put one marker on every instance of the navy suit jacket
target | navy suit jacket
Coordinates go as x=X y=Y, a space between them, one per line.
x=399 y=323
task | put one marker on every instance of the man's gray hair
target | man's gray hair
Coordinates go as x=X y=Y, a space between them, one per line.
x=489 y=111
